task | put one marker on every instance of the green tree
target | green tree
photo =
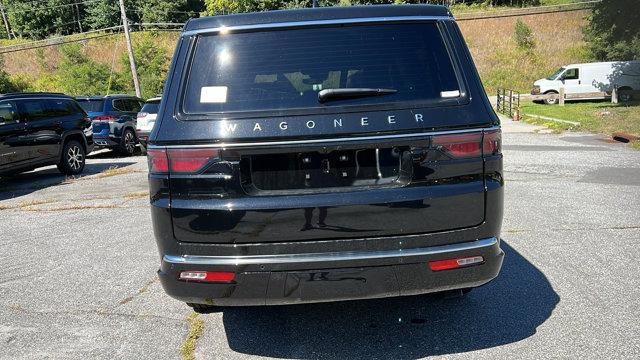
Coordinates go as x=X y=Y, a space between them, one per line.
x=106 y=13
x=524 y=36
x=152 y=65
x=169 y=11
x=41 y=19
x=613 y=32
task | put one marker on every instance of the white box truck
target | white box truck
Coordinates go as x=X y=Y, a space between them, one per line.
x=591 y=78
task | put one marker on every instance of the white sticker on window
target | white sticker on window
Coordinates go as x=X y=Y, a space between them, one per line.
x=213 y=94
x=450 y=94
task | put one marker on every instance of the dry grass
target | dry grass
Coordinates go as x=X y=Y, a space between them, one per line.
x=100 y=50
x=136 y=195
x=558 y=38
x=196 y=329
x=27 y=204
x=72 y=207
x=114 y=171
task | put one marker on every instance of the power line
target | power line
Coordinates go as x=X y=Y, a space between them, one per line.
x=57 y=43
x=57 y=40
x=51 y=7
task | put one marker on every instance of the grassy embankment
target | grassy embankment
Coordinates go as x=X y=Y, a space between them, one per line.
x=600 y=117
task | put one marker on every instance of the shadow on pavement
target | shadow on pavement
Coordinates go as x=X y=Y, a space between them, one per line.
x=26 y=183
x=504 y=311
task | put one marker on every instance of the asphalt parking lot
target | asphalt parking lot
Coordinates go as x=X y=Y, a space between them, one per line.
x=78 y=273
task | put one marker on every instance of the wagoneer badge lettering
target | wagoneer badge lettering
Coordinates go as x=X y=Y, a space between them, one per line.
x=364 y=121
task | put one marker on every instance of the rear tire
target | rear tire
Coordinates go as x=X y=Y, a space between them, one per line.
x=127 y=143
x=551 y=101
x=73 y=158
x=143 y=150
x=625 y=97
x=203 y=308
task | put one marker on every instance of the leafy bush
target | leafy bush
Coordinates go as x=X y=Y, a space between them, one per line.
x=524 y=36
x=152 y=63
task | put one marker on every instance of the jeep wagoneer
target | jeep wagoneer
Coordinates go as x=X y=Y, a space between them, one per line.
x=324 y=154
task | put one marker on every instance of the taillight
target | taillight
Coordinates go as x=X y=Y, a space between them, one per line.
x=189 y=160
x=179 y=160
x=158 y=161
x=492 y=143
x=105 y=118
x=142 y=115
x=459 y=145
x=469 y=144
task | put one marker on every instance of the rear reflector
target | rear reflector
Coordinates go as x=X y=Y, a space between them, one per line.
x=209 y=276
x=179 y=160
x=455 y=263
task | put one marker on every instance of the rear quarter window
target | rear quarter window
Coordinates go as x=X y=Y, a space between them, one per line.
x=92 y=105
x=285 y=69
x=8 y=113
x=151 y=107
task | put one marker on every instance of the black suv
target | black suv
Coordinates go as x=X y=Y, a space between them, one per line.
x=114 y=120
x=324 y=154
x=40 y=129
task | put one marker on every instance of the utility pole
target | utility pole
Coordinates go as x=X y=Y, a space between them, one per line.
x=5 y=20
x=314 y=3
x=132 y=60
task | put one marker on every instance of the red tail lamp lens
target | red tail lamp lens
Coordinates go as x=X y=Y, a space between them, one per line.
x=158 y=161
x=105 y=118
x=447 y=264
x=460 y=145
x=208 y=276
x=179 y=160
x=492 y=143
x=189 y=160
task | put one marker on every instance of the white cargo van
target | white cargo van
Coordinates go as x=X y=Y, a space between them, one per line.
x=591 y=78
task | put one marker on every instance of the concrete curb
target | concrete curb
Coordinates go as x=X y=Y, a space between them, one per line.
x=574 y=123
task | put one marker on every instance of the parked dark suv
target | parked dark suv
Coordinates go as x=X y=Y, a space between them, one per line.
x=114 y=120
x=324 y=154
x=40 y=129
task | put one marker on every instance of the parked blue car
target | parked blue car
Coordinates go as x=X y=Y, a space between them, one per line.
x=114 y=120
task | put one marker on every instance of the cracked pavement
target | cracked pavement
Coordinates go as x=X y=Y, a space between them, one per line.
x=78 y=278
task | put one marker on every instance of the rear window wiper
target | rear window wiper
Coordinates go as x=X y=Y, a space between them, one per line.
x=346 y=93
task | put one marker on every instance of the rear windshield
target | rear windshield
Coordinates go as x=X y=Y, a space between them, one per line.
x=151 y=107
x=284 y=69
x=91 y=105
